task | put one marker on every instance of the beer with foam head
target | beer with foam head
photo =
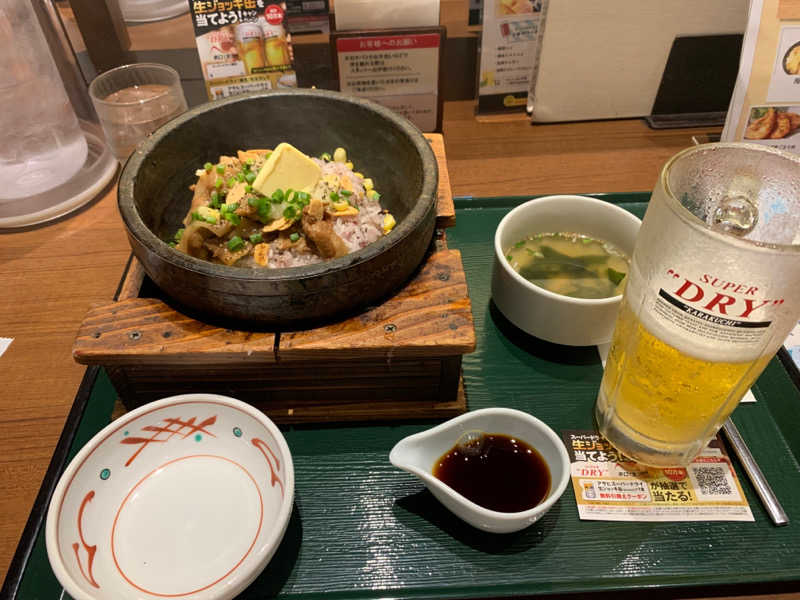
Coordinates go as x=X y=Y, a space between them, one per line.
x=711 y=294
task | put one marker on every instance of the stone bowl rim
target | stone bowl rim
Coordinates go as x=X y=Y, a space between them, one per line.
x=405 y=227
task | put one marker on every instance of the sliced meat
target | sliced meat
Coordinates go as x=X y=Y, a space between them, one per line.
x=219 y=250
x=321 y=234
x=315 y=208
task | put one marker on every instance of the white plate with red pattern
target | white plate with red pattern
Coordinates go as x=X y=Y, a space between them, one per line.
x=186 y=497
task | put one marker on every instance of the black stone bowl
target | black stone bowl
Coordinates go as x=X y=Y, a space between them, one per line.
x=154 y=197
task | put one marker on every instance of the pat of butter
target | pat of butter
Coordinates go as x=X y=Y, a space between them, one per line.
x=287 y=168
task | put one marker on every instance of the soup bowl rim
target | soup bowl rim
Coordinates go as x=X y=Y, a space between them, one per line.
x=523 y=208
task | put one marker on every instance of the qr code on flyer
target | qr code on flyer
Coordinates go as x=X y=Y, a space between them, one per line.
x=713 y=481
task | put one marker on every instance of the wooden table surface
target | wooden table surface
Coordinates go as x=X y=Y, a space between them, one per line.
x=50 y=275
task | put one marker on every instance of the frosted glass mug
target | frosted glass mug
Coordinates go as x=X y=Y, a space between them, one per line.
x=713 y=291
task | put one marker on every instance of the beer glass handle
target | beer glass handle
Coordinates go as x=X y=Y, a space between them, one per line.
x=763 y=489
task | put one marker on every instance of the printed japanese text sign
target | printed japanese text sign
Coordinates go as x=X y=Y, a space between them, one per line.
x=399 y=70
x=610 y=487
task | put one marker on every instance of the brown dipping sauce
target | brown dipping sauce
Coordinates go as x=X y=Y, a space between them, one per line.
x=496 y=471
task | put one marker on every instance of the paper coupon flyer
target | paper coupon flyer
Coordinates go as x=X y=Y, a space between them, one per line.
x=610 y=487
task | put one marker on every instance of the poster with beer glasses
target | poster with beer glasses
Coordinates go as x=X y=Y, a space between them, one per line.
x=243 y=46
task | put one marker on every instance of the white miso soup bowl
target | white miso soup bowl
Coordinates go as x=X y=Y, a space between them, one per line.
x=549 y=316
x=418 y=453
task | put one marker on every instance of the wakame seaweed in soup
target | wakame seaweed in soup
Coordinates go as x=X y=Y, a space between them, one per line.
x=570 y=264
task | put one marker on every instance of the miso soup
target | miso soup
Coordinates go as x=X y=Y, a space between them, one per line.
x=570 y=264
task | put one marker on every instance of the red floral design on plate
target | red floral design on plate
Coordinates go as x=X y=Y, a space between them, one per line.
x=272 y=461
x=90 y=550
x=164 y=433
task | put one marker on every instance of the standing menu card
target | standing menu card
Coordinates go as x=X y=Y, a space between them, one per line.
x=399 y=69
x=765 y=106
x=243 y=46
x=510 y=41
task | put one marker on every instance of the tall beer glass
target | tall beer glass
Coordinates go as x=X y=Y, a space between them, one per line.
x=713 y=291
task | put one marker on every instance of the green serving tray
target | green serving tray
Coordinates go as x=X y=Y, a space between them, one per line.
x=363 y=529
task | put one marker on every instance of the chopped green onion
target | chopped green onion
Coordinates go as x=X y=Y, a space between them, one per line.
x=240 y=177
x=208 y=166
x=248 y=188
x=268 y=154
x=346 y=193
x=249 y=162
x=179 y=234
x=220 y=169
x=235 y=243
x=233 y=218
x=253 y=201
x=325 y=156
x=218 y=183
x=290 y=212
x=230 y=207
x=334 y=196
x=277 y=196
x=250 y=177
x=211 y=219
x=288 y=195
x=256 y=238
x=231 y=182
x=172 y=244
x=263 y=209
x=196 y=216
x=294 y=237
x=214 y=198
x=303 y=196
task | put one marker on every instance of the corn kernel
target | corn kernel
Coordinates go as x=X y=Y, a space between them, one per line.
x=359 y=175
x=368 y=185
x=373 y=195
x=349 y=165
x=388 y=223
x=340 y=155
